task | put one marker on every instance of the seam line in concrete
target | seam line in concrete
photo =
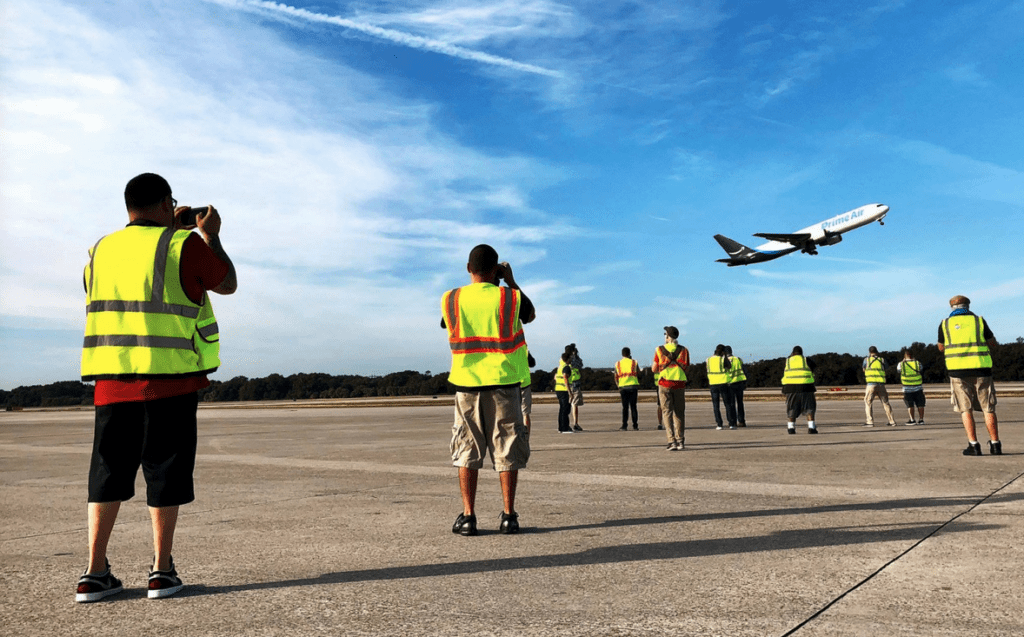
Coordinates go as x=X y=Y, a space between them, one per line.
x=867 y=579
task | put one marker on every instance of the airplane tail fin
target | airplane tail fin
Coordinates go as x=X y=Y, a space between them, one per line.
x=739 y=254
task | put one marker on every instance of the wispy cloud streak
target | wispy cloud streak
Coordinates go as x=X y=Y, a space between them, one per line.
x=391 y=35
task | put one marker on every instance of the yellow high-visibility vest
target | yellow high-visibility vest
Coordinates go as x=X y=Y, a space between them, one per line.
x=560 y=376
x=139 y=321
x=485 y=335
x=627 y=370
x=717 y=373
x=910 y=372
x=797 y=371
x=965 y=346
x=672 y=371
x=736 y=373
x=875 y=373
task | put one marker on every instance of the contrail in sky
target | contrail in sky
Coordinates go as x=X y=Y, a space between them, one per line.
x=397 y=37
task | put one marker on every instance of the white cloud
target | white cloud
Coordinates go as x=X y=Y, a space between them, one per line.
x=390 y=35
x=341 y=201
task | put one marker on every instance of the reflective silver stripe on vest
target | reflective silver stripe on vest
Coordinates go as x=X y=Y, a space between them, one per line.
x=209 y=330
x=130 y=340
x=497 y=345
x=147 y=307
x=979 y=343
x=156 y=305
x=163 y=246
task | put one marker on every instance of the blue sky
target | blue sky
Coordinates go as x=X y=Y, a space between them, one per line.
x=357 y=151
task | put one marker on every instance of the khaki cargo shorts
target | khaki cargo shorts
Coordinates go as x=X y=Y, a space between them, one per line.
x=973 y=394
x=527 y=400
x=490 y=420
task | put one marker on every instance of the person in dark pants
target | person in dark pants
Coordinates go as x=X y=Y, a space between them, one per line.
x=737 y=385
x=151 y=338
x=563 y=389
x=627 y=377
x=718 y=382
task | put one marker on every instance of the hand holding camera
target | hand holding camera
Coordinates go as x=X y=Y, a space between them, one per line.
x=205 y=218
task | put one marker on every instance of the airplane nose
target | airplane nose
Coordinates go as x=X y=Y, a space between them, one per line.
x=883 y=207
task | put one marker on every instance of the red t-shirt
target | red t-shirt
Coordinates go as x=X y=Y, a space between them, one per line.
x=200 y=270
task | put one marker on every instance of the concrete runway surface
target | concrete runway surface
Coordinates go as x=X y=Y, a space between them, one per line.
x=337 y=521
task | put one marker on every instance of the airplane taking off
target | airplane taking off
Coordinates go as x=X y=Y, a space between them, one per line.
x=826 y=233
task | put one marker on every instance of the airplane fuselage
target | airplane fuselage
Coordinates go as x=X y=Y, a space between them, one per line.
x=837 y=225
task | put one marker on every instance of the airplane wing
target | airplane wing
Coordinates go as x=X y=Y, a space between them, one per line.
x=794 y=239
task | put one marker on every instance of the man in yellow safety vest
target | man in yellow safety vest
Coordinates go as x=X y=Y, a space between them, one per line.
x=150 y=340
x=737 y=385
x=484 y=323
x=798 y=386
x=718 y=366
x=912 y=380
x=966 y=341
x=671 y=360
x=627 y=377
x=874 y=377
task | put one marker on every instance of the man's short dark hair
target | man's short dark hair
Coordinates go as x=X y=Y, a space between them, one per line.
x=482 y=259
x=145 y=190
x=872 y=350
x=625 y=352
x=797 y=351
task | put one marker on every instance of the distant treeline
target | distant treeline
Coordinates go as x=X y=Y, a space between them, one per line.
x=832 y=370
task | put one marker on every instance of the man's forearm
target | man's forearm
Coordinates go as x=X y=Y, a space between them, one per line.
x=230 y=282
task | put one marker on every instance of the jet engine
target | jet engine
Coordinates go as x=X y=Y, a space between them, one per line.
x=830 y=239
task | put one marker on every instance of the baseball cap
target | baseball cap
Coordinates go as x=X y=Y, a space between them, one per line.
x=672 y=331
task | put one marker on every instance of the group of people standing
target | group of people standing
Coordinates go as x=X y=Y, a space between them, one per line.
x=964 y=338
x=725 y=376
x=152 y=338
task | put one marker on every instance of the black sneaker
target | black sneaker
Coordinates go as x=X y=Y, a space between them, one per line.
x=509 y=523
x=995 y=447
x=93 y=588
x=465 y=525
x=741 y=424
x=791 y=430
x=920 y=422
x=623 y=428
x=812 y=430
x=973 y=449
x=164 y=583
x=636 y=427
x=671 y=446
x=910 y=423
x=577 y=428
x=661 y=427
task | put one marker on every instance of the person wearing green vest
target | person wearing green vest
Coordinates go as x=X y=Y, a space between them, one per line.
x=671 y=360
x=798 y=387
x=912 y=380
x=965 y=340
x=484 y=323
x=150 y=340
x=563 y=390
x=737 y=385
x=627 y=378
x=874 y=376
x=718 y=366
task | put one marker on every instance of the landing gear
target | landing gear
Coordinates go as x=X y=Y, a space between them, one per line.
x=881 y=223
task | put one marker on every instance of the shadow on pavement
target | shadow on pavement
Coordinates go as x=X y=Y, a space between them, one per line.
x=777 y=541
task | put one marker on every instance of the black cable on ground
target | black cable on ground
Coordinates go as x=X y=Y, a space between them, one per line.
x=893 y=560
